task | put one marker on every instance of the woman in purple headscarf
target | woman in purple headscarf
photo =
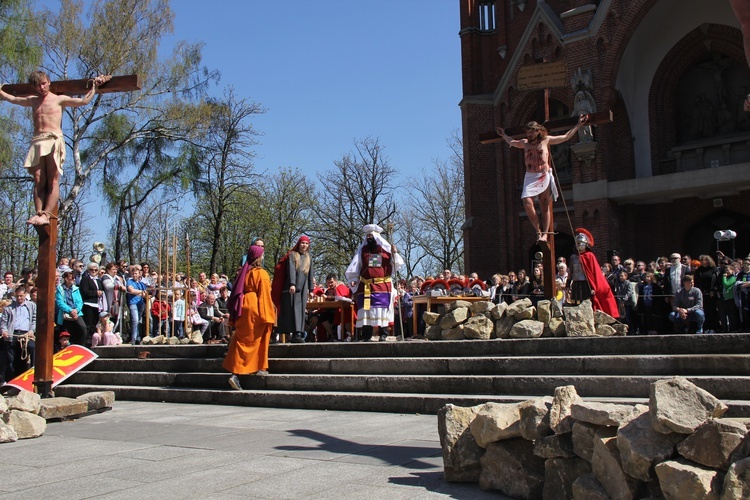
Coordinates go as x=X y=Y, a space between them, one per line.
x=253 y=315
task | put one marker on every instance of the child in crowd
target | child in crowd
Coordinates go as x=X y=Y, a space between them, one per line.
x=104 y=334
x=178 y=315
x=160 y=310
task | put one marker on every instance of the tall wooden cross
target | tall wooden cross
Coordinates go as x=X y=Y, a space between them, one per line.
x=48 y=235
x=549 y=79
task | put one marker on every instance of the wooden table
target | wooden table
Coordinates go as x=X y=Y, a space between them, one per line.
x=430 y=302
x=342 y=305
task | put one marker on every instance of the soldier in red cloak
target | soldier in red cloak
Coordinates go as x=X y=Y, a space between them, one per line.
x=586 y=280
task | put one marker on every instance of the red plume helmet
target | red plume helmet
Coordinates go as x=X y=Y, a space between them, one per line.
x=587 y=235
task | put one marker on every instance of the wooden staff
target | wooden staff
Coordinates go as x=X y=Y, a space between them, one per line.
x=187 y=287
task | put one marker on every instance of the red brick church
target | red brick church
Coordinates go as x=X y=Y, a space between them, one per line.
x=670 y=170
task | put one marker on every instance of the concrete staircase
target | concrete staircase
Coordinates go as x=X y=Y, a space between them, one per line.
x=422 y=376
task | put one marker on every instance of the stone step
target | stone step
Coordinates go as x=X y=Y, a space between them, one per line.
x=327 y=400
x=725 y=343
x=734 y=387
x=666 y=365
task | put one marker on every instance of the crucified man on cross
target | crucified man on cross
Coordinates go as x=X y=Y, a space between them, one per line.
x=538 y=180
x=47 y=152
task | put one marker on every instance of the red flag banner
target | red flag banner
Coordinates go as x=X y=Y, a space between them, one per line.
x=64 y=364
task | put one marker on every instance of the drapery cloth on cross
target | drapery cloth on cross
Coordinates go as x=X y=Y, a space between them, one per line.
x=42 y=145
x=535 y=183
x=373 y=289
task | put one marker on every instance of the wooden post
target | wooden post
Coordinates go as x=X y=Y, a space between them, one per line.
x=45 y=319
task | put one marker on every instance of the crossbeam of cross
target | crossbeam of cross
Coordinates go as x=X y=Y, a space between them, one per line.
x=552 y=126
x=126 y=83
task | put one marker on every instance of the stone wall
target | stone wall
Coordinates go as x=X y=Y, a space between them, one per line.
x=678 y=447
x=485 y=320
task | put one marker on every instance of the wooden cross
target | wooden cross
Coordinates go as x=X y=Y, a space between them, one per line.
x=47 y=260
x=125 y=83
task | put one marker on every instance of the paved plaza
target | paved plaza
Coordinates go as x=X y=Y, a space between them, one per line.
x=167 y=450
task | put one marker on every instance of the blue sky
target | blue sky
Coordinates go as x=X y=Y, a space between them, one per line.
x=331 y=71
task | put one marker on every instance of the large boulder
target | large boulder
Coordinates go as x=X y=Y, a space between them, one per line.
x=457 y=304
x=737 y=481
x=544 y=311
x=557 y=327
x=454 y=318
x=527 y=329
x=607 y=468
x=641 y=447
x=478 y=327
x=52 y=408
x=3 y=404
x=498 y=311
x=433 y=332
x=534 y=418
x=587 y=487
x=712 y=443
x=25 y=401
x=495 y=422
x=559 y=475
x=503 y=327
x=605 y=331
x=98 y=400
x=511 y=467
x=602 y=413
x=455 y=333
x=602 y=318
x=27 y=425
x=560 y=419
x=7 y=433
x=430 y=318
x=516 y=308
x=583 y=438
x=483 y=307
x=678 y=405
x=681 y=480
x=555 y=446
x=461 y=453
x=579 y=320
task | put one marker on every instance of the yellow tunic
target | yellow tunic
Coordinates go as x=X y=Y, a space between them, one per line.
x=248 y=350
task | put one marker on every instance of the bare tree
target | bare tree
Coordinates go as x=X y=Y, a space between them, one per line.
x=226 y=163
x=364 y=184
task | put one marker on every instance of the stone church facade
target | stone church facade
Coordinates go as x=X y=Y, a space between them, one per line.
x=670 y=170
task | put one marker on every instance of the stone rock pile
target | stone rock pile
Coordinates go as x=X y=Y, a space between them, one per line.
x=194 y=338
x=678 y=447
x=485 y=320
x=25 y=415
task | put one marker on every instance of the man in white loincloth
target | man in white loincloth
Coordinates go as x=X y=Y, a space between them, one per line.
x=538 y=180
x=47 y=152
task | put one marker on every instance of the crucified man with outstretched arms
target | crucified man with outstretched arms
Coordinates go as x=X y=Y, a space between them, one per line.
x=538 y=180
x=47 y=152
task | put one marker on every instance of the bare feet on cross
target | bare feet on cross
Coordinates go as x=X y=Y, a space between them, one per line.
x=41 y=218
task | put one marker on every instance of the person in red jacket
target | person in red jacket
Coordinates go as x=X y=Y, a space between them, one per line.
x=585 y=277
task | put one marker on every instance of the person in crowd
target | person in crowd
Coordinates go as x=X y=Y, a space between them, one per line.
x=253 y=314
x=17 y=329
x=215 y=286
x=650 y=307
x=626 y=297
x=407 y=308
x=522 y=288
x=707 y=278
x=673 y=277
x=742 y=295
x=69 y=304
x=178 y=315
x=210 y=312
x=63 y=341
x=136 y=297
x=92 y=293
x=728 y=314
x=615 y=267
x=537 y=285
x=160 y=312
x=292 y=287
x=114 y=288
x=688 y=307
x=146 y=274
x=371 y=269
x=197 y=322
x=104 y=334
x=78 y=271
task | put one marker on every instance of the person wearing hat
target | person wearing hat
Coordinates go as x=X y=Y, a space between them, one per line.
x=253 y=314
x=369 y=276
x=92 y=293
x=585 y=278
x=63 y=341
x=291 y=287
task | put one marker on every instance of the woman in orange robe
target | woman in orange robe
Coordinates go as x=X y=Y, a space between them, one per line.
x=253 y=314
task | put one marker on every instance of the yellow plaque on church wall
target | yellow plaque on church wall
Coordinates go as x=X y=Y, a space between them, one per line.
x=543 y=76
